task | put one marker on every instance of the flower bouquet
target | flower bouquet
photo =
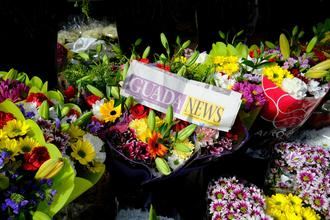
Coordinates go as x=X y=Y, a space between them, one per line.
x=229 y=198
x=36 y=180
x=303 y=170
x=158 y=144
x=60 y=124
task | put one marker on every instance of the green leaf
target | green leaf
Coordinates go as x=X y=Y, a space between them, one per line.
x=218 y=49
x=182 y=71
x=169 y=115
x=95 y=91
x=284 y=46
x=186 y=132
x=178 y=41
x=55 y=96
x=98 y=48
x=11 y=74
x=162 y=166
x=222 y=35
x=182 y=147
x=115 y=92
x=38 y=215
x=9 y=107
x=105 y=59
x=301 y=34
x=164 y=41
x=44 y=110
x=242 y=50
x=151 y=120
x=294 y=31
x=152 y=213
x=232 y=50
x=83 y=119
x=129 y=102
x=186 y=44
x=84 y=56
x=72 y=106
x=311 y=44
x=316 y=74
x=138 y=42
x=192 y=59
x=4 y=182
x=146 y=52
x=44 y=87
x=36 y=82
x=270 y=45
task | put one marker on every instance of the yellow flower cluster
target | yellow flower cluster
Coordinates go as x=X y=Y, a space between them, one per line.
x=11 y=139
x=276 y=74
x=180 y=59
x=140 y=126
x=226 y=64
x=289 y=207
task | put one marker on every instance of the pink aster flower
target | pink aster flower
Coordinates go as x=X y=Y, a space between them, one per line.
x=319 y=202
x=305 y=176
x=217 y=207
x=217 y=216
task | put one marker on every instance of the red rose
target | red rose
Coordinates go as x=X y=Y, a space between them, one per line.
x=91 y=99
x=181 y=125
x=144 y=60
x=69 y=92
x=164 y=67
x=34 y=159
x=139 y=111
x=4 y=118
x=37 y=98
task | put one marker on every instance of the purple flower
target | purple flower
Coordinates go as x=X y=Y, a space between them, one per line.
x=94 y=127
x=3 y=156
x=13 y=90
x=219 y=146
x=15 y=202
x=252 y=95
x=254 y=78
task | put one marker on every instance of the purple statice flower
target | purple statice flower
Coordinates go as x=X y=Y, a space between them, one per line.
x=254 y=78
x=13 y=90
x=289 y=63
x=4 y=155
x=252 y=95
x=94 y=127
x=16 y=202
x=303 y=61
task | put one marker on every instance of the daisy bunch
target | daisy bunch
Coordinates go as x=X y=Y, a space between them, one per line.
x=303 y=170
x=230 y=198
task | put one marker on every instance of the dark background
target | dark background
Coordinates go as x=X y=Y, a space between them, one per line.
x=28 y=43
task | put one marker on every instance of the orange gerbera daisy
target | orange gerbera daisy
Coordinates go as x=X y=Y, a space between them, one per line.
x=154 y=147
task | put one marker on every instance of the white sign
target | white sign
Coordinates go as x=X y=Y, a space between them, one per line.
x=196 y=102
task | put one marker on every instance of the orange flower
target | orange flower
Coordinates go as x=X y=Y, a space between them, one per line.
x=155 y=148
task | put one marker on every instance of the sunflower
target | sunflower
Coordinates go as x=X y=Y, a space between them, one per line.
x=75 y=132
x=27 y=144
x=10 y=146
x=83 y=151
x=154 y=147
x=109 y=112
x=16 y=128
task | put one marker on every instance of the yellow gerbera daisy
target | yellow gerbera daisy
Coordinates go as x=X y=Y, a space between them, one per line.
x=83 y=151
x=75 y=133
x=27 y=144
x=96 y=167
x=16 y=128
x=109 y=112
x=10 y=146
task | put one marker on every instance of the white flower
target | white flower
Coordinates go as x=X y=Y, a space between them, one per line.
x=97 y=144
x=174 y=161
x=31 y=107
x=201 y=57
x=96 y=109
x=295 y=87
x=52 y=113
x=315 y=89
x=223 y=81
